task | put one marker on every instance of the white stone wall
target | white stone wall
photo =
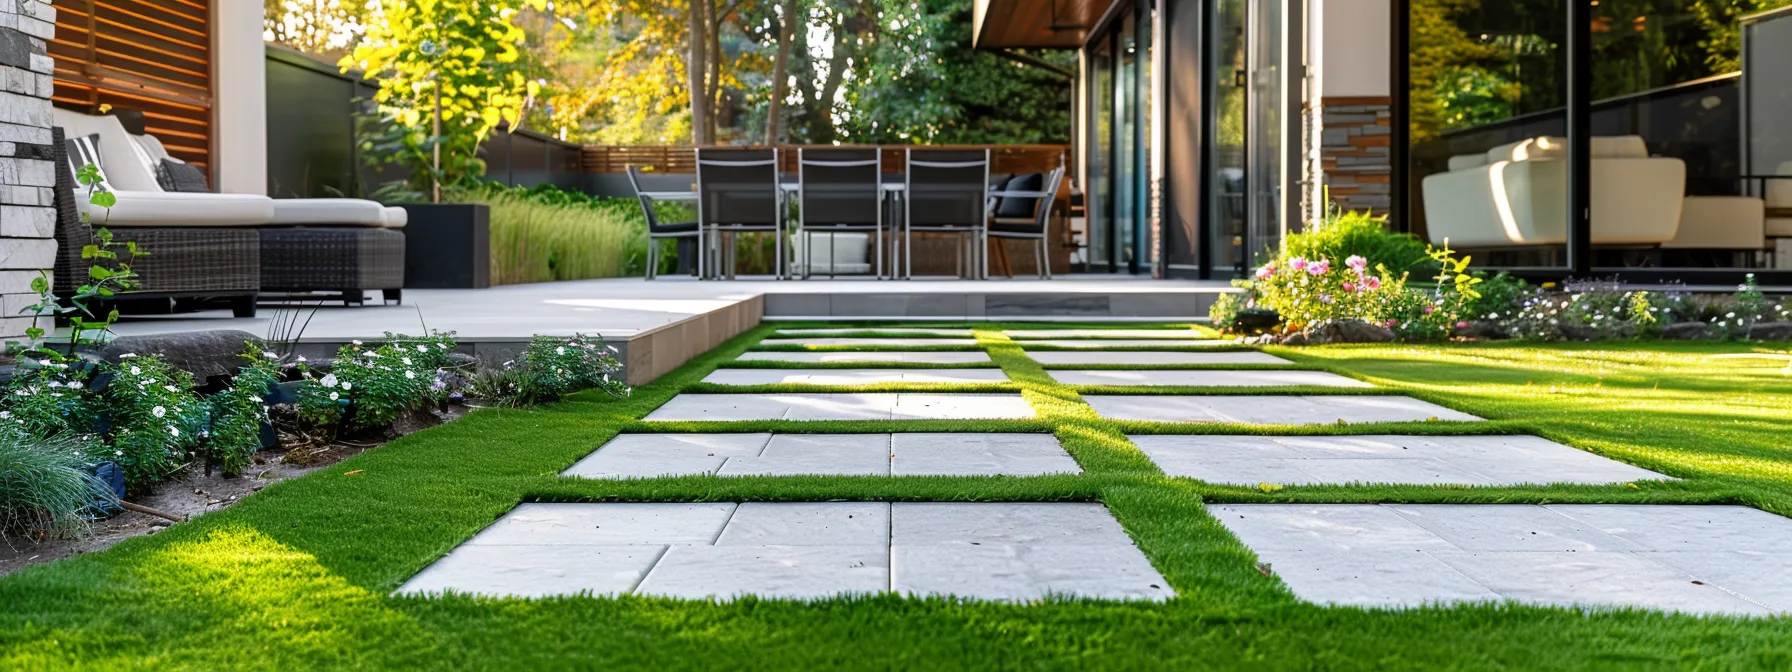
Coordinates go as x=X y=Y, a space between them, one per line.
x=27 y=175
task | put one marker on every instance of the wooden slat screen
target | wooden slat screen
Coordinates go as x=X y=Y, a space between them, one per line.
x=149 y=55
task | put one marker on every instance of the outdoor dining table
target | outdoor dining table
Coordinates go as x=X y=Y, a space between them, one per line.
x=894 y=187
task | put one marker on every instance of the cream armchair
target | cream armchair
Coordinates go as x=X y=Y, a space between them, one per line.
x=1517 y=195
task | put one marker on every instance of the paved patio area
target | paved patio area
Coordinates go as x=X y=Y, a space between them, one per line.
x=1269 y=410
x=843 y=406
x=899 y=454
x=1341 y=460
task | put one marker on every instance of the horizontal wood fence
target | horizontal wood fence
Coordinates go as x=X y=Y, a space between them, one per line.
x=1003 y=158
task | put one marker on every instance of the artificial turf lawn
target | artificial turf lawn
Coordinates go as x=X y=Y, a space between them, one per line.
x=297 y=577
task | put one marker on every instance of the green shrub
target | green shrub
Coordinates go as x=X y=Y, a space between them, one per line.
x=156 y=419
x=1224 y=312
x=551 y=368
x=544 y=234
x=378 y=382
x=239 y=412
x=1348 y=234
x=44 y=486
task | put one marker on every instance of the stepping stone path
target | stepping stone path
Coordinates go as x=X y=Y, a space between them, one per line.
x=1105 y=344
x=1269 y=409
x=1206 y=378
x=843 y=406
x=853 y=376
x=868 y=357
x=899 y=331
x=1014 y=552
x=1135 y=334
x=1695 y=559
x=1340 y=460
x=1146 y=358
x=824 y=341
x=902 y=454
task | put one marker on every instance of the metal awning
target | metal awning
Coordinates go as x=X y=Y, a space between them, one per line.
x=1049 y=24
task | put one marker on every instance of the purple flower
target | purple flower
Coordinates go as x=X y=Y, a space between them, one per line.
x=1357 y=263
x=1266 y=271
x=1320 y=267
x=1297 y=263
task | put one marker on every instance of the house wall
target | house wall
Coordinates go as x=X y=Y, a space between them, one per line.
x=1354 y=147
x=239 y=90
x=27 y=175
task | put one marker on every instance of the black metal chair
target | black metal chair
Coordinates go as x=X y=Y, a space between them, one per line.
x=839 y=190
x=658 y=230
x=947 y=192
x=738 y=192
x=1022 y=210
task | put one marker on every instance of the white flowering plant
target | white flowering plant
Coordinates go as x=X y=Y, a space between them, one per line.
x=555 y=367
x=369 y=385
x=154 y=419
x=239 y=413
x=51 y=399
x=1307 y=292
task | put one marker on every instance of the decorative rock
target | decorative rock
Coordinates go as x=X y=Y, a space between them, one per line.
x=1348 y=331
x=1686 y=331
x=461 y=360
x=1481 y=330
x=1296 y=338
x=1255 y=320
x=1771 y=331
x=202 y=353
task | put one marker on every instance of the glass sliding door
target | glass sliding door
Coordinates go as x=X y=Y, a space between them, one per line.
x=1119 y=158
x=1267 y=101
x=1099 y=195
x=1226 y=211
x=1126 y=146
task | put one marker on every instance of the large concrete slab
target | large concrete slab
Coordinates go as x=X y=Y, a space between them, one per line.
x=853 y=376
x=1111 y=343
x=1206 y=378
x=842 y=406
x=1412 y=554
x=891 y=331
x=1136 y=334
x=1269 y=409
x=827 y=341
x=978 y=357
x=811 y=550
x=1147 y=357
x=555 y=524
x=903 y=454
x=1425 y=460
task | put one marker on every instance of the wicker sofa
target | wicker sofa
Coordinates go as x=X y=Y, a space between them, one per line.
x=184 y=263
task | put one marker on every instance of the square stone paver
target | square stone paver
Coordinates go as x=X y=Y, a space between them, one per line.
x=809 y=550
x=1276 y=409
x=902 y=454
x=842 y=406
x=853 y=376
x=1206 y=378
x=831 y=341
x=1135 y=334
x=924 y=357
x=978 y=454
x=555 y=524
x=1146 y=357
x=1110 y=343
x=897 y=331
x=1412 y=554
x=1423 y=460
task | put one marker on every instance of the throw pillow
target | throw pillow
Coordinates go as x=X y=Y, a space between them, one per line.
x=84 y=150
x=1021 y=207
x=177 y=175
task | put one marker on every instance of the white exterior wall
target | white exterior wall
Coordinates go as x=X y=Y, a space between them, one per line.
x=27 y=175
x=1356 y=58
x=239 y=97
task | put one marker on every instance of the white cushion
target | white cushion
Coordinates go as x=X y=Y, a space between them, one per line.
x=121 y=156
x=182 y=209
x=1467 y=161
x=1721 y=223
x=396 y=218
x=338 y=211
x=1619 y=147
x=1551 y=147
x=153 y=148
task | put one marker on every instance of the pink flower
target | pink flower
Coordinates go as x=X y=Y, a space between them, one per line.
x=1319 y=267
x=1372 y=283
x=1428 y=310
x=1392 y=322
x=1357 y=262
x=1265 y=272
x=1348 y=287
x=1297 y=263
x=1461 y=325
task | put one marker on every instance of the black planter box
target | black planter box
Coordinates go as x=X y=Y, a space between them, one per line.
x=448 y=246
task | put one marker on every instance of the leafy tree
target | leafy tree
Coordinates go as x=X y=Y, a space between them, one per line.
x=446 y=79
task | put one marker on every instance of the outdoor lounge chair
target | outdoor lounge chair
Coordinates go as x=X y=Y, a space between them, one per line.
x=343 y=245
x=738 y=192
x=839 y=190
x=947 y=192
x=658 y=230
x=1022 y=210
x=203 y=261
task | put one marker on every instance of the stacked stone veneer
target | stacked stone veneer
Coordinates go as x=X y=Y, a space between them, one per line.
x=1354 y=153
x=27 y=174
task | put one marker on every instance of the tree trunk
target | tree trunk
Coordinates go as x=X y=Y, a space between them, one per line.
x=824 y=103
x=715 y=67
x=780 y=73
x=695 y=67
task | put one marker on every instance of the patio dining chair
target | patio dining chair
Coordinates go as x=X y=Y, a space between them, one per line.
x=946 y=192
x=658 y=230
x=1022 y=210
x=839 y=190
x=738 y=192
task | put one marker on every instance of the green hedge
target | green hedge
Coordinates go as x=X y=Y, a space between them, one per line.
x=544 y=234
